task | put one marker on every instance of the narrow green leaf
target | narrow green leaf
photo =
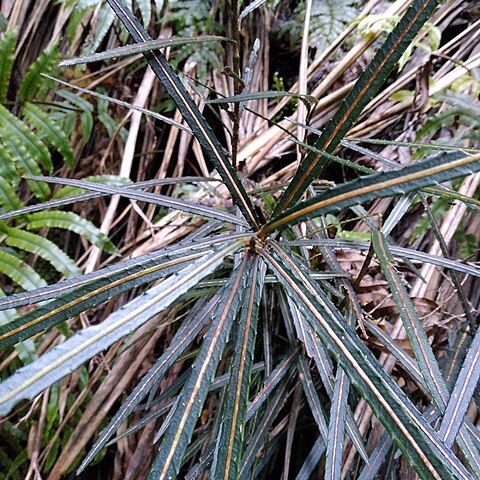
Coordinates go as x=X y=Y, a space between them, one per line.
x=186 y=334
x=29 y=381
x=104 y=22
x=190 y=112
x=7 y=50
x=68 y=195
x=130 y=106
x=437 y=169
x=8 y=169
x=71 y=98
x=250 y=8
x=146 y=46
x=312 y=460
x=409 y=253
x=336 y=427
x=417 y=336
x=419 y=443
x=271 y=382
x=312 y=395
x=362 y=92
x=217 y=384
x=191 y=399
x=245 y=97
x=460 y=346
x=154 y=198
x=377 y=458
x=145 y=7
x=202 y=464
x=229 y=445
x=323 y=363
x=134 y=267
x=403 y=358
x=462 y=393
x=51 y=132
x=434 y=381
x=6 y=316
x=263 y=425
x=87 y=296
x=19 y=156
x=73 y=222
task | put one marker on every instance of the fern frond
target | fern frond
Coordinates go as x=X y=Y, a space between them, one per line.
x=19 y=272
x=50 y=130
x=33 y=81
x=8 y=170
x=44 y=248
x=8 y=197
x=104 y=22
x=20 y=156
x=73 y=222
x=7 y=50
x=145 y=7
x=14 y=127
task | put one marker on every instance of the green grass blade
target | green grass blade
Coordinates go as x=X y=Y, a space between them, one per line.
x=190 y=401
x=229 y=446
x=187 y=333
x=155 y=198
x=146 y=46
x=362 y=92
x=190 y=112
x=420 y=444
x=62 y=360
x=437 y=169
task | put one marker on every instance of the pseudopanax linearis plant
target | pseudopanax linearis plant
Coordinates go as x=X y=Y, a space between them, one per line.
x=268 y=322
